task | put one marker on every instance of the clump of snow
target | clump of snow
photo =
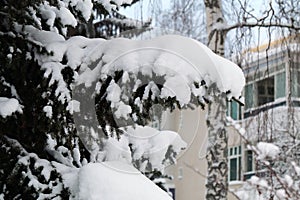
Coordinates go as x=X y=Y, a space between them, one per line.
x=40 y=37
x=113 y=92
x=254 y=180
x=267 y=150
x=73 y=106
x=8 y=106
x=114 y=181
x=150 y=143
x=177 y=87
x=48 y=111
x=85 y=7
x=51 y=13
x=148 y=146
x=122 y=110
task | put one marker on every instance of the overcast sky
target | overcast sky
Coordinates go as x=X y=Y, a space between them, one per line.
x=142 y=10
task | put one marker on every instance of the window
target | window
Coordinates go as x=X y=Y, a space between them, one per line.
x=295 y=86
x=280 y=85
x=249 y=96
x=235 y=155
x=265 y=91
x=234 y=110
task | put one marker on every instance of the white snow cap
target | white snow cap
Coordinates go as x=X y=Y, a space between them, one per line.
x=175 y=56
x=116 y=180
x=8 y=106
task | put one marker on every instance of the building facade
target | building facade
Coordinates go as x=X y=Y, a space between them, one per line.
x=270 y=114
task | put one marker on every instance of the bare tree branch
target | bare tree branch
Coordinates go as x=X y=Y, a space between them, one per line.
x=260 y=24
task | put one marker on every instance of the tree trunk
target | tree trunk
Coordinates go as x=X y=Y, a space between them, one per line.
x=214 y=23
x=217 y=161
x=217 y=183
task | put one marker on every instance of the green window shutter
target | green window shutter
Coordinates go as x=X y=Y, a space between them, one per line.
x=280 y=85
x=234 y=110
x=295 y=84
x=228 y=108
x=249 y=96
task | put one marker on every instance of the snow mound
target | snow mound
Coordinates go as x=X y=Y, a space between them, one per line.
x=8 y=106
x=114 y=181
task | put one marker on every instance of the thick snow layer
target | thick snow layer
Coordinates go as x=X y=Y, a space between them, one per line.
x=8 y=106
x=115 y=181
x=189 y=59
x=182 y=61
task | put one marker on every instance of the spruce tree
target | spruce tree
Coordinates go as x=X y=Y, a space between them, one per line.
x=43 y=115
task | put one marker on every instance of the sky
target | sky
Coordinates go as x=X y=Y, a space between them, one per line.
x=142 y=11
x=134 y=11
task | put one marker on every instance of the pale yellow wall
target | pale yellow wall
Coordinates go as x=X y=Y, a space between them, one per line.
x=191 y=125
